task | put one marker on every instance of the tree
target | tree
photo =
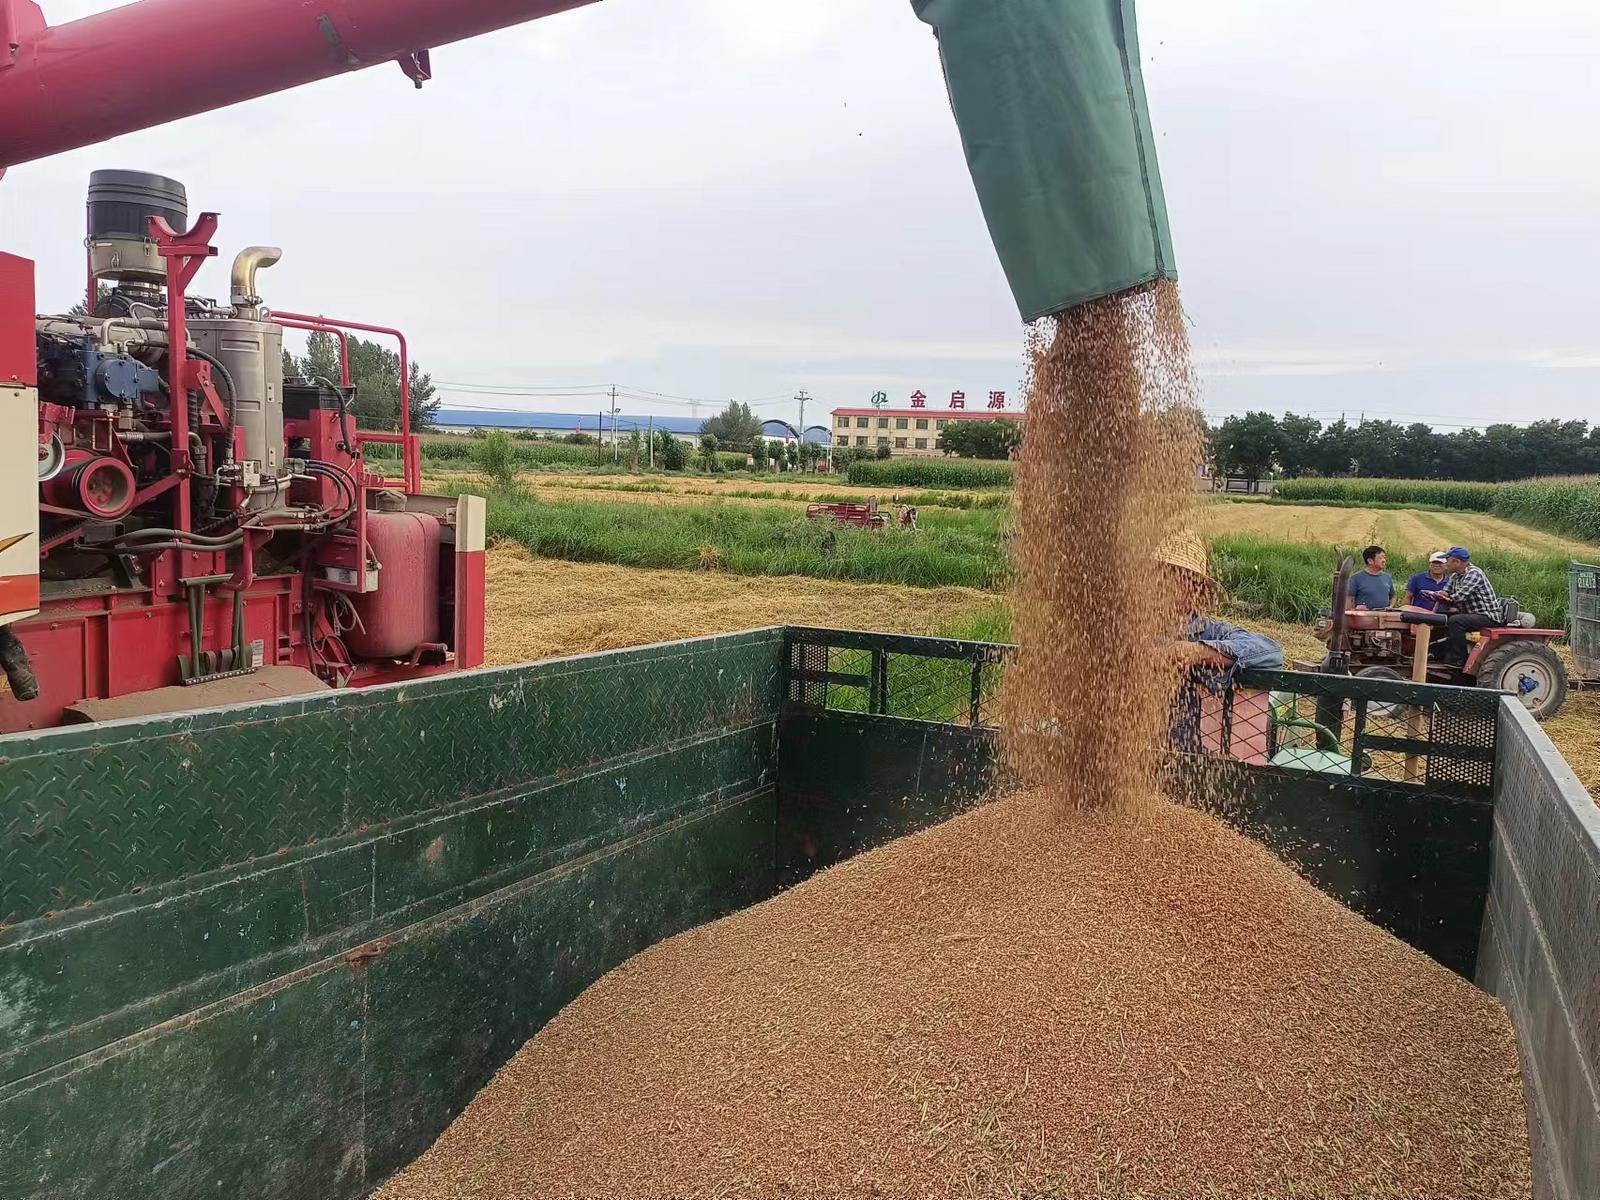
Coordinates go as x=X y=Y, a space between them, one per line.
x=1379 y=450
x=791 y=455
x=670 y=452
x=758 y=454
x=883 y=450
x=735 y=427
x=1336 y=449
x=375 y=374
x=497 y=458
x=1246 y=445
x=635 y=449
x=981 y=439
x=1422 y=451
x=1297 y=444
x=810 y=454
x=101 y=294
x=708 y=453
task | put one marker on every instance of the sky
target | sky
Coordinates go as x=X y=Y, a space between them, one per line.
x=1379 y=209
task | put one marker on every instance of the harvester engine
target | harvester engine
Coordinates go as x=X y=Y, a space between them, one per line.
x=200 y=515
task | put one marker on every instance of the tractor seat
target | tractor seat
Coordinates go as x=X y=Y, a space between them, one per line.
x=1421 y=617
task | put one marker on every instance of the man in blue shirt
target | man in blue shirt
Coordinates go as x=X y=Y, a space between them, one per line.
x=1372 y=587
x=1424 y=586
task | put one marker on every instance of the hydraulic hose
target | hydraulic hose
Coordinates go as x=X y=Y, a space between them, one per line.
x=233 y=399
x=344 y=412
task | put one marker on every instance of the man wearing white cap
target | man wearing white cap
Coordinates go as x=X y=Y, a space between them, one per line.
x=1422 y=587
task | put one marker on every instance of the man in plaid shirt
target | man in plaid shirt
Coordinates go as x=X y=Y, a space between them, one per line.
x=1470 y=600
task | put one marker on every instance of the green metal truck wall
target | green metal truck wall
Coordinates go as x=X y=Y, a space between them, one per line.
x=286 y=945
x=1541 y=952
x=1412 y=862
x=848 y=782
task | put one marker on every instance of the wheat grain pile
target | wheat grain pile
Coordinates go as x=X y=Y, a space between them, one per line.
x=1079 y=1005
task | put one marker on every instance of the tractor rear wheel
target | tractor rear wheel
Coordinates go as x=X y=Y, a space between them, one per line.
x=1382 y=710
x=1530 y=670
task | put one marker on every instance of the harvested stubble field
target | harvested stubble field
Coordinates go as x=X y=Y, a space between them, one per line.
x=1405 y=531
x=541 y=608
x=1014 y=1005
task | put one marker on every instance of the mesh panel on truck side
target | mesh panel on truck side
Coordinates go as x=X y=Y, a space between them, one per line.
x=1583 y=608
x=1386 y=731
x=938 y=680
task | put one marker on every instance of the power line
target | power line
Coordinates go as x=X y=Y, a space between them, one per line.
x=581 y=391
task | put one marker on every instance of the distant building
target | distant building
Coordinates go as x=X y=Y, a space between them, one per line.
x=908 y=432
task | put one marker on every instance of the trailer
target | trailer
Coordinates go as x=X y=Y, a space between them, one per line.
x=273 y=950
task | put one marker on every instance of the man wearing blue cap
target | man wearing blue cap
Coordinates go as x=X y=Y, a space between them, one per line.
x=1470 y=600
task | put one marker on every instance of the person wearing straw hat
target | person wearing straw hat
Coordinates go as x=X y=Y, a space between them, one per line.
x=1208 y=642
x=1210 y=652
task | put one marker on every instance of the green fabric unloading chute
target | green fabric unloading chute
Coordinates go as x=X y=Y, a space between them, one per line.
x=1050 y=102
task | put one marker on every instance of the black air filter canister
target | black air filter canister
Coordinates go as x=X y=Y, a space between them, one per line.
x=121 y=204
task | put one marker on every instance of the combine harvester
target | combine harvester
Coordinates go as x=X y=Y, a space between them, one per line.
x=272 y=949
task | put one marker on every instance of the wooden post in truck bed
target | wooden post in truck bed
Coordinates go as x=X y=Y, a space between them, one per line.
x=1419 y=674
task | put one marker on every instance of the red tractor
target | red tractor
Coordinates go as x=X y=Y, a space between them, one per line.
x=1513 y=656
x=866 y=516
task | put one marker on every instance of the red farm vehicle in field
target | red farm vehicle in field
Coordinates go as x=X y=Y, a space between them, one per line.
x=866 y=516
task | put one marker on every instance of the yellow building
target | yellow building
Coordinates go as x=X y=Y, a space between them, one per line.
x=908 y=432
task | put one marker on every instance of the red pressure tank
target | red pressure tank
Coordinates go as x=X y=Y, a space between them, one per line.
x=148 y=63
x=404 y=612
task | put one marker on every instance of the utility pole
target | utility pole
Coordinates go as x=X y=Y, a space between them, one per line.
x=651 y=442
x=801 y=428
x=600 y=441
x=616 y=450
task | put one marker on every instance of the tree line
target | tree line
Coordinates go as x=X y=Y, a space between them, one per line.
x=375 y=373
x=1258 y=444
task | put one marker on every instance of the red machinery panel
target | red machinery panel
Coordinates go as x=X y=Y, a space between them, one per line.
x=155 y=61
x=18 y=359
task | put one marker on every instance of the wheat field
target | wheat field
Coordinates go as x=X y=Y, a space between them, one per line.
x=1399 y=530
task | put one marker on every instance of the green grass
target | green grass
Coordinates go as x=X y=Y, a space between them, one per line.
x=965 y=500
x=952 y=547
x=931 y=473
x=1289 y=581
x=1568 y=506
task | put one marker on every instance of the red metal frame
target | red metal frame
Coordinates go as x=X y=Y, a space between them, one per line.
x=316 y=327
x=185 y=254
x=1489 y=638
x=410 y=447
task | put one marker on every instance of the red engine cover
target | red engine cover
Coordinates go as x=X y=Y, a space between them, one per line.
x=403 y=613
